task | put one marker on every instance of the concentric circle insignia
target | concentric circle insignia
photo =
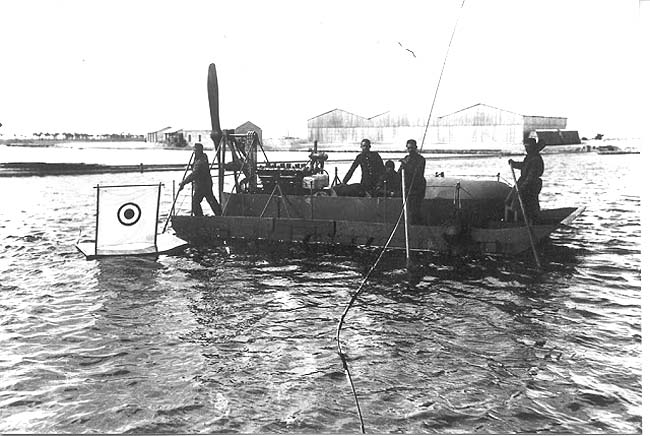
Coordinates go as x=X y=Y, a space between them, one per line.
x=129 y=214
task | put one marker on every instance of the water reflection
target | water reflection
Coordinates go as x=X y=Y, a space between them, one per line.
x=127 y=273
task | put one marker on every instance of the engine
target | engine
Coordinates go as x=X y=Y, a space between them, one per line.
x=294 y=178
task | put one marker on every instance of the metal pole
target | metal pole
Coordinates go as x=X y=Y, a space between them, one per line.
x=221 y=152
x=311 y=198
x=97 y=220
x=528 y=227
x=189 y=163
x=406 y=218
x=155 y=230
x=385 y=197
x=217 y=148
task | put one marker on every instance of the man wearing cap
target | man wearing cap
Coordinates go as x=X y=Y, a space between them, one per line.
x=529 y=182
x=415 y=184
x=372 y=169
x=202 y=182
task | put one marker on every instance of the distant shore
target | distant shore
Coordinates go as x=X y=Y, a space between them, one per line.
x=19 y=142
x=23 y=169
x=301 y=147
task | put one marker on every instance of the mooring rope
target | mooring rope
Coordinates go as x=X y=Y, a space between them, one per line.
x=355 y=295
x=365 y=279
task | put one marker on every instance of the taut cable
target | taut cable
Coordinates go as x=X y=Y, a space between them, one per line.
x=442 y=70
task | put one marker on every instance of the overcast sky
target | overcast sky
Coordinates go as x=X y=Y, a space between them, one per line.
x=138 y=66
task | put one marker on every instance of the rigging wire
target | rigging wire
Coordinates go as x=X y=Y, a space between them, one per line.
x=442 y=70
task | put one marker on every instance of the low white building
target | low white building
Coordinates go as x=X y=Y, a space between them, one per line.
x=187 y=138
x=194 y=136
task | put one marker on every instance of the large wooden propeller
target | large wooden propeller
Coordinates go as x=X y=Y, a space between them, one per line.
x=213 y=100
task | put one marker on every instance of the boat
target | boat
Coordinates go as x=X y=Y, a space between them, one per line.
x=126 y=224
x=295 y=202
x=612 y=149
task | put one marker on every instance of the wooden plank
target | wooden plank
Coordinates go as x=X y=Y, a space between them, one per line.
x=368 y=234
x=306 y=231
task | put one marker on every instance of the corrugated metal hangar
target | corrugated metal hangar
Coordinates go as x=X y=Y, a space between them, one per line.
x=475 y=127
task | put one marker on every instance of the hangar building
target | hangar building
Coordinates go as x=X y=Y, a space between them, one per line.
x=478 y=127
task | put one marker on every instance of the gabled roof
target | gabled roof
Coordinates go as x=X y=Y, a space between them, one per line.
x=479 y=104
x=542 y=116
x=334 y=110
x=497 y=108
x=379 y=115
x=248 y=123
x=161 y=130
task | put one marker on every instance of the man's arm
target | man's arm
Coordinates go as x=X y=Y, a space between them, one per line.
x=381 y=167
x=354 y=166
x=419 y=171
x=190 y=177
x=515 y=164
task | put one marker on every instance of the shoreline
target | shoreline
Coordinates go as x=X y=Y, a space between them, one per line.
x=17 y=142
x=26 y=169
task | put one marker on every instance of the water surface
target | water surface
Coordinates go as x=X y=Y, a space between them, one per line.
x=241 y=337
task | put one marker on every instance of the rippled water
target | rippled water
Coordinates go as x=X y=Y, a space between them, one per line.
x=241 y=338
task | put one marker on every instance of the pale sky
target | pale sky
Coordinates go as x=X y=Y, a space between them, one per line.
x=138 y=66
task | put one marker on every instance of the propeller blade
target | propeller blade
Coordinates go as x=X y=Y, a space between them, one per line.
x=213 y=100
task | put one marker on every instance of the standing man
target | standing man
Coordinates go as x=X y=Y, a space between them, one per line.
x=200 y=177
x=415 y=183
x=372 y=169
x=529 y=182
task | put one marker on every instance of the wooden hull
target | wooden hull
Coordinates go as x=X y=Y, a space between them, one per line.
x=477 y=203
x=495 y=237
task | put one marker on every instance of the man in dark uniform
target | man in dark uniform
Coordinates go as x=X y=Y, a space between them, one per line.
x=200 y=177
x=415 y=183
x=529 y=182
x=372 y=168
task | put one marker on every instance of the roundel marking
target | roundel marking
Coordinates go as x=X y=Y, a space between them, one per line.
x=129 y=214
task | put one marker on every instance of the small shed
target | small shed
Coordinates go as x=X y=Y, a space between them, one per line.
x=558 y=137
x=158 y=135
x=247 y=127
